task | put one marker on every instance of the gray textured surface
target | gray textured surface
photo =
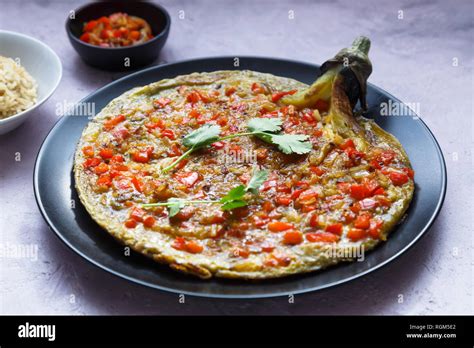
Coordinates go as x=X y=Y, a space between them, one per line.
x=413 y=60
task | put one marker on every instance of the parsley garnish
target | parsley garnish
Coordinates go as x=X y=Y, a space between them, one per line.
x=195 y=140
x=267 y=129
x=235 y=198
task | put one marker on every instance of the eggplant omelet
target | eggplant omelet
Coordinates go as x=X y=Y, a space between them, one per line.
x=182 y=171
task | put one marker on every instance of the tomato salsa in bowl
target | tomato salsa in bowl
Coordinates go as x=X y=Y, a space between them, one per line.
x=117 y=30
x=118 y=35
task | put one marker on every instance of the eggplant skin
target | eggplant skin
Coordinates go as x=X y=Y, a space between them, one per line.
x=156 y=244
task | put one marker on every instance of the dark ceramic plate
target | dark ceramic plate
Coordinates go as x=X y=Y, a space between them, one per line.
x=84 y=236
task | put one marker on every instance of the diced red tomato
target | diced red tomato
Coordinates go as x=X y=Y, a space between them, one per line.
x=92 y=162
x=356 y=234
x=277 y=96
x=104 y=180
x=314 y=220
x=308 y=196
x=85 y=37
x=398 y=179
x=181 y=164
x=316 y=170
x=371 y=185
x=348 y=216
x=153 y=125
x=267 y=185
x=321 y=236
x=257 y=88
x=121 y=134
x=374 y=229
x=89 y=26
x=349 y=143
x=379 y=191
x=359 y=191
x=354 y=155
x=229 y=91
x=296 y=193
x=168 y=133
x=374 y=164
x=138 y=184
x=190 y=246
x=184 y=214
x=137 y=214
x=279 y=226
x=179 y=243
x=194 y=113
x=283 y=199
x=101 y=168
x=267 y=206
x=193 y=97
x=363 y=221
x=356 y=208
x=106 y=153
x=267 y=247
x=259 y=221
x=104 y=20
x=334 y=228
x=241 y=252
x=292 y=237
x=148 y=221
x=109 y=124
x=386 y=157
x=222 y=121
x=143 y=156
x=130 y=223
x=217 y=218
x=88 y=151
x=134 y=35
x=283 y=188
x=188 y=178
x=308 y=208
x=317 y=132
x=309 y=117
x=174 y=151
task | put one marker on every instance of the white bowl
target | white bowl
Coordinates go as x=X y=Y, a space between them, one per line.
x=41 y=63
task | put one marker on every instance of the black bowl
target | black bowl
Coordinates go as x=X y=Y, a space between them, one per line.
x=121 y=58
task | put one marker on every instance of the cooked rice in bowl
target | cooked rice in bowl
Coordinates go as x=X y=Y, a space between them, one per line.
x=18 y=90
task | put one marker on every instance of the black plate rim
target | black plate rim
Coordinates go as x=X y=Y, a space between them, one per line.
x=433 y=217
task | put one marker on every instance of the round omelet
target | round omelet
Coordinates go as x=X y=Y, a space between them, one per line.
x=313 y=210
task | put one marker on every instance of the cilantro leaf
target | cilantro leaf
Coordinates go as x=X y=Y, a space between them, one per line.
x=202 y=136
x=175 y=205
x=258 y=125
x=198 y=138
x=234 y=198
x=265 y=129
x=292 y=143
x=234 y=204
x=237 y=193
x=256 y=181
